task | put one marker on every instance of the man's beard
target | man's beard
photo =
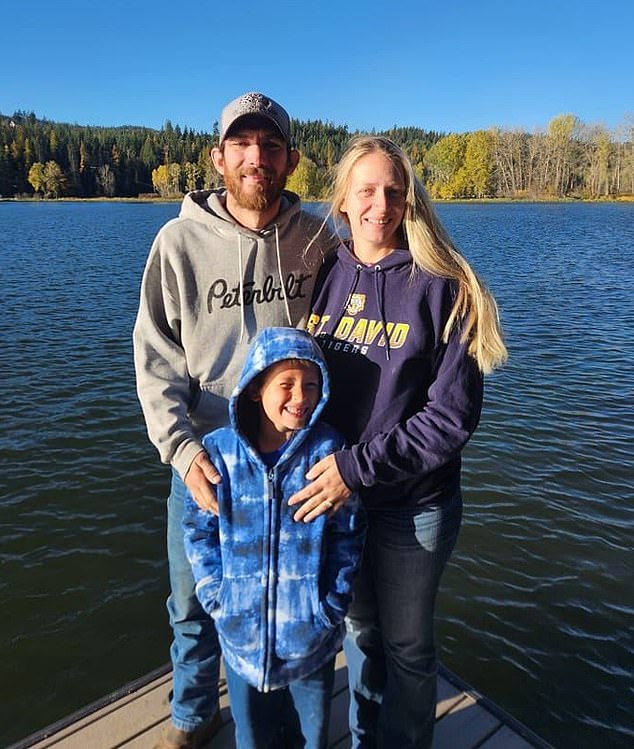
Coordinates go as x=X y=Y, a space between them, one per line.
x=258 y=197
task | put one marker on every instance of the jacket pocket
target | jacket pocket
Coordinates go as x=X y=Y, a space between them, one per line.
x=302 y=622
x=237 y=614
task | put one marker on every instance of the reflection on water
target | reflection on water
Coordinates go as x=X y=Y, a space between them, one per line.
x=536 y=608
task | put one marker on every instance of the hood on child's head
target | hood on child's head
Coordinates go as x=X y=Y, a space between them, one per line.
x=272 y=345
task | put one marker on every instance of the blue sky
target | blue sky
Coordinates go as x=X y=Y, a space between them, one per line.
x=448 y=66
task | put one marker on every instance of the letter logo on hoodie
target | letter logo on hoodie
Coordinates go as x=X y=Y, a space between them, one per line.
x=356 y=304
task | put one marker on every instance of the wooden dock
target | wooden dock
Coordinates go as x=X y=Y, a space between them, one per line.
x=132 y=718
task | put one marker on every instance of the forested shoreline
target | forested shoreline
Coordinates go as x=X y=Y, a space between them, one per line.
x=567 y=159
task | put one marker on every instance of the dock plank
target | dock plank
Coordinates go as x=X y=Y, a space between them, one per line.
x=464 y=726
x=134 y=717
x=115 y=724
x=448 y=697
x=506 y=738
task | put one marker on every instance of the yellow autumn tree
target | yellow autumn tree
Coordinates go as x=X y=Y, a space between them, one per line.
x=166 y=179
x=192 y=174
x=305 y=179
x=562 y=142
x=444 y=161
x=36 y=176
x=476 y=175
x=54 y=179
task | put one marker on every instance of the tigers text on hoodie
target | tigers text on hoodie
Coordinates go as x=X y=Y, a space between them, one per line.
x=277 y=589
x=209 y=285
x=406 y=402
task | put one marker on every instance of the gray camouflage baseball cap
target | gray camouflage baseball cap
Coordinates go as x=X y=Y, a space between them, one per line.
x=258 y=105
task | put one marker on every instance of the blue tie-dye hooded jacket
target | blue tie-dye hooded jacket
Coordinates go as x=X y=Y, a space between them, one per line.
x=277 y=589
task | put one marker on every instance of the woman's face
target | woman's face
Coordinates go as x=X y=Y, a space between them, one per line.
x=374 y=205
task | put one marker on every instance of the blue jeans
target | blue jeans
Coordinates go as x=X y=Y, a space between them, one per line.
x=389 y=645
x=295 y=717
x=195 y=651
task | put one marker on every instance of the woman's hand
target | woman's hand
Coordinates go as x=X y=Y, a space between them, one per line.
x=327 y=491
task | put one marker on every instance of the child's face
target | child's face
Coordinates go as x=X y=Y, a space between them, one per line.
x=289 y=393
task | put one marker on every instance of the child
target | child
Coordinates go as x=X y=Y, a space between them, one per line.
x=277 y=589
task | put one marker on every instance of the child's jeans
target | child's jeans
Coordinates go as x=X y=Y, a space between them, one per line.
x=293 y=717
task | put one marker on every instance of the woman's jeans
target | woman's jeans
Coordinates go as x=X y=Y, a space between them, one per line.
x=295 y=717
x=389 y=645
x=195 y=651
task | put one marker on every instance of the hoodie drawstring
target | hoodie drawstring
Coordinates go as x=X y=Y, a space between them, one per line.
x=378 y=289
x=347 y=298
x=379 y=293
x=282 y=282
x=242 y=322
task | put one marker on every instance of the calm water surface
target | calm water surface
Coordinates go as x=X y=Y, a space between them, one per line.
x=536 y=609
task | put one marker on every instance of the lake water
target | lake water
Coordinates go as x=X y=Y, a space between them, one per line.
x=536 y=609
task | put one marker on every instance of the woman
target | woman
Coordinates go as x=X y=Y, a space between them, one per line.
x=408 y=330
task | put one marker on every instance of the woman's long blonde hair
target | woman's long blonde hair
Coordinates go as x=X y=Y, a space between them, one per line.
x=432 y=250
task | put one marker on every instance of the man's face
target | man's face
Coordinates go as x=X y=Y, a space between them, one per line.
x=255 y=162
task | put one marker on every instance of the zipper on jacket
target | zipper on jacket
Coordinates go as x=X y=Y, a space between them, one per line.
x=268 y=605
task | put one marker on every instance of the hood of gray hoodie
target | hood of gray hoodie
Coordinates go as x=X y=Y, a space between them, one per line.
x=209 y=205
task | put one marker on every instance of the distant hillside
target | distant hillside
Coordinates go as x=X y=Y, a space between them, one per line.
x=88 y=161
x=51 y=159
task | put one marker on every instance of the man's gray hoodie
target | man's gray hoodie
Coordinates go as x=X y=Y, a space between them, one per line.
x=209 y=285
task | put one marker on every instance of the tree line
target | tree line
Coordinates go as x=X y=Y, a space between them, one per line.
x=567 y=159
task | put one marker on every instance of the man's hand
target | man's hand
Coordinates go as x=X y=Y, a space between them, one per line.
x=200 y=478
x=326 y=492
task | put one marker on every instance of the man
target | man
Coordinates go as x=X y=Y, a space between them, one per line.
x=233 y=262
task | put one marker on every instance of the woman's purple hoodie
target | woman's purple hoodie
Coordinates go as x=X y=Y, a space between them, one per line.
x=405 y=401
